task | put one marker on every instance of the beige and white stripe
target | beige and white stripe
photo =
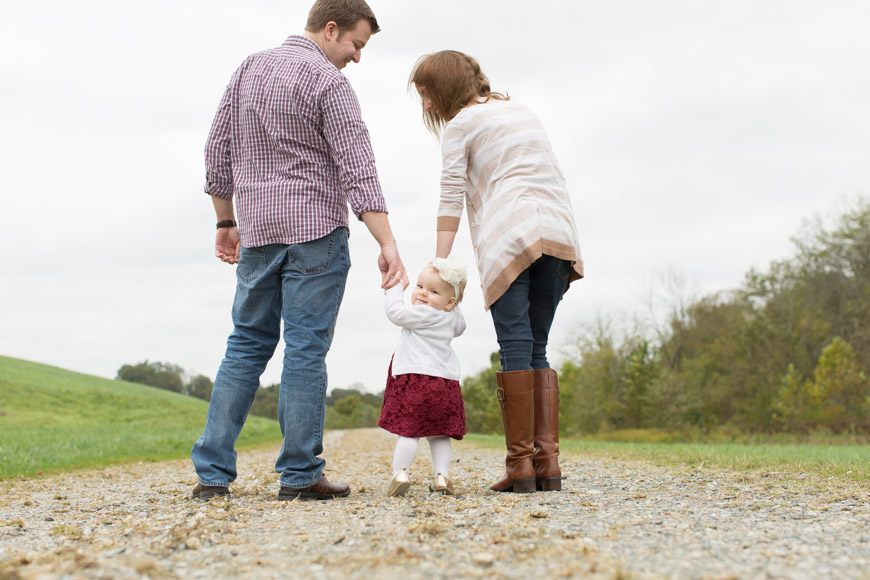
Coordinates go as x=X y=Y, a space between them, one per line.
x=498 y=163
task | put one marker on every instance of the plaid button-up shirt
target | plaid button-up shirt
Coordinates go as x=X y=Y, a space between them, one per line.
x=288 y=142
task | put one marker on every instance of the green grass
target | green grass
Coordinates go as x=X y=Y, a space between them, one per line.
x=848 y=461
x=54 y=420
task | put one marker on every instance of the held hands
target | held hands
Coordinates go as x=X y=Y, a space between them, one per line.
x=389 y=263
x=226 y=245
x=391 y=267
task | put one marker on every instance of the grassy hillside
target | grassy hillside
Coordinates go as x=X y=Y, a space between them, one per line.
x=55 y=420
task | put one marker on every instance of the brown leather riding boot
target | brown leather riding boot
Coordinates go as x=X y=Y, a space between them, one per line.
x=516 y=396
x=548 y=476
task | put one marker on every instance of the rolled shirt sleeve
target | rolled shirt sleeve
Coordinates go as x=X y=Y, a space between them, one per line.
x=218 y=163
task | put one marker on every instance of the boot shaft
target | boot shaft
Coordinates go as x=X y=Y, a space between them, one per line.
x=546 y=453
x=546 y=384
x=516 y=396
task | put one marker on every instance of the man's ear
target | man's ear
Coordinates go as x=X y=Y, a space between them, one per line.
x=330 y=31
x=450 y=304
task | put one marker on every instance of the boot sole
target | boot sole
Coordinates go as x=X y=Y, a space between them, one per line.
x=208 y=494
x=310 y=495
x=520 y=486
x=549 y=484
x=401 y=489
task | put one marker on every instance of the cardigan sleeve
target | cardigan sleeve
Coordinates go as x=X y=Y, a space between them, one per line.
x=454 y=177
x=459 y=328
x=402 y=315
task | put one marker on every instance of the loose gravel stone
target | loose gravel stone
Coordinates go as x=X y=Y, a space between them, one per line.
x=613 y=519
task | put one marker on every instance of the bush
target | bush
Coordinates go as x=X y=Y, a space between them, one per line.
x=161 y=375
x=482 y=412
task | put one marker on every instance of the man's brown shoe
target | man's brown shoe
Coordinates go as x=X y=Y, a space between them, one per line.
x=320 y=490
x=201 y=491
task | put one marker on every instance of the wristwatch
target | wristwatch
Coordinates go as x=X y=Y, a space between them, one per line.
x=226 y=224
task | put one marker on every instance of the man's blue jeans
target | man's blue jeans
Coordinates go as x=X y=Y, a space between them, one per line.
x=524 y=313
x=303 y=284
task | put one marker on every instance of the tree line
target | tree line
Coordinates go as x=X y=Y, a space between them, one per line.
x=789 y=351
x=170 y=377
x=345 y=408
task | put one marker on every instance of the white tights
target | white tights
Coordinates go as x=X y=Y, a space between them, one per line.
x=406 y=449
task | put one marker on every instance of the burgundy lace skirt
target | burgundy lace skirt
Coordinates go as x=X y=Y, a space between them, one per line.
x=422 y=406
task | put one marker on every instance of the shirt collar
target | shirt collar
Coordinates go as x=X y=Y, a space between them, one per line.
x=305 y=42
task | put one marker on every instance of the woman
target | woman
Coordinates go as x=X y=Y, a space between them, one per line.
x=497 y=160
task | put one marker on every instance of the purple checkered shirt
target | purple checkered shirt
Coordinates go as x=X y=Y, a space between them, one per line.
x=288 y=141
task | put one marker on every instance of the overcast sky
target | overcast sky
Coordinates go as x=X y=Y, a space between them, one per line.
x=695 y=138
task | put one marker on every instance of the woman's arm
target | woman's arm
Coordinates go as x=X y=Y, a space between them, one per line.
x=444 y=243
x=454 y=184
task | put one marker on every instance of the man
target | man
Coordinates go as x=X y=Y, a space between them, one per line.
x=289 y=144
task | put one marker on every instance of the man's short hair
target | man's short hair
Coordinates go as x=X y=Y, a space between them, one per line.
x=345 y=13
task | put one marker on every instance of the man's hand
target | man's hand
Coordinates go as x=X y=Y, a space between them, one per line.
x=226 y=245
x=389 y=262
x=227 y=241
x=391 y=267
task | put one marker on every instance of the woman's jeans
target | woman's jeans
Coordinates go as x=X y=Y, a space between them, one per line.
x=303 y=284
x=524 y=313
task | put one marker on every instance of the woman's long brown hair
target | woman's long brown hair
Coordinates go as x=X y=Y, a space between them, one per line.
x=452 y=80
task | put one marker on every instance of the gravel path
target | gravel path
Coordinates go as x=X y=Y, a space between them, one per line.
x=614 y=519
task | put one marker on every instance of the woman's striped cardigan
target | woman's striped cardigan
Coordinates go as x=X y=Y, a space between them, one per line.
x=497 y=160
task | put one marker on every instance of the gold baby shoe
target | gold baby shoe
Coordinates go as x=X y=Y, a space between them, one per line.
x=443 y=485
x=399 y=484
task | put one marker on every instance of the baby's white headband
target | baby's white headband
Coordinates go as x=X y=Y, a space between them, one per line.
x=452 y=270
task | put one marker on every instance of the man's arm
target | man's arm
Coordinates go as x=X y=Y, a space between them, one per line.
x=351 y=149
x=219 y=178
x=389 y=262
x=348 y=138
x=227 y=240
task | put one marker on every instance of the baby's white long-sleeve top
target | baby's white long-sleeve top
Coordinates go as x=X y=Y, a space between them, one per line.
x=424 y=344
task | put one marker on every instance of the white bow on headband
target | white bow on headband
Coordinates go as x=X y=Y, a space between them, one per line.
x=453 y=271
